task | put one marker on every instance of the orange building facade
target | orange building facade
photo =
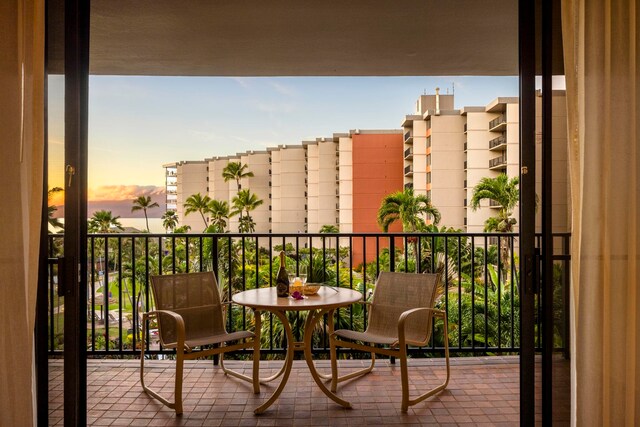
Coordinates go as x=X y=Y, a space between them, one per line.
x=377 y=172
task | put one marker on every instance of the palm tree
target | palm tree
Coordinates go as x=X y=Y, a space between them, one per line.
x=407 y=208
x=170 y=220
x=506 y=193
x=329 y=228
x=245 y=201
x=236 y=171
x=220 y=213
x=51 y=210
x=142 y=203
x=503 y=191
x=197 y=203
x=104 y=222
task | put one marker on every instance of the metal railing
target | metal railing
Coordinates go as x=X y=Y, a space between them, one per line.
x=497 y=121
x=483 y=312
x=408 y=152
x=497 y=141
x=498 y=161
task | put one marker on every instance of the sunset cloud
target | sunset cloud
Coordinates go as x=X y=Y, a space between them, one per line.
x=124 y=192
x=118 y=199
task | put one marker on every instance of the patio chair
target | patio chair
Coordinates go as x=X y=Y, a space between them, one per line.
x=190 y=315
x=400 y=314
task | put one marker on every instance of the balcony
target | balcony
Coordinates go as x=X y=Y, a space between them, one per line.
x=408 y=170
x=498 y=162
x=499 y=124
x=408 y=136
x=464 y=185
x=493 y=204
x=113 y=331
x=464 y=166
x=464 y=128
x=498 y=144
x=464 y=147
x=408 y=186
x=408 y=153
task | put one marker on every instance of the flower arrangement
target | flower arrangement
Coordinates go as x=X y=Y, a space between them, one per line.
x=297 y=295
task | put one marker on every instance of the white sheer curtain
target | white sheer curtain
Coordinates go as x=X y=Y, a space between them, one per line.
x=21 y=168
x=601 y=49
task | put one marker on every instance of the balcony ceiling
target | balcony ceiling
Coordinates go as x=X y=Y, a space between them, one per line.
x=293 y=37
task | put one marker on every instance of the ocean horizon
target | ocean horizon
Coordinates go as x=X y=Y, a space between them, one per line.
x=155 y=224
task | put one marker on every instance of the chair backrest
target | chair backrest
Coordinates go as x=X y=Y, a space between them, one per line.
x=399 y=292
x=194 y=296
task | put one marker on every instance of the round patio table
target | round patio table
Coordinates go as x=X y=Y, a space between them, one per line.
x=324 y=302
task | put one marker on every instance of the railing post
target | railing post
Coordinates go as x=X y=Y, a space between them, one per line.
x=392 y=254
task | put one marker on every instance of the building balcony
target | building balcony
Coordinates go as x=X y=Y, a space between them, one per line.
x=408 y=170
x=464 y=128
x=464 y=147
x=498 y=144
x=464 y=165
x=408 y=153
x=498 y=163
x=464 y=183
x=113 y=331
x=499 y=124
x=408 y=186
x=493 y=204
x=408 y=136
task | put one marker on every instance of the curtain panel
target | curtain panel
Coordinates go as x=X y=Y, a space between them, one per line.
x=21 y=169
x=601 y=52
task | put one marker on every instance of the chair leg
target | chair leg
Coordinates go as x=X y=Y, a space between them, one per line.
x=406 y=401
x=335 y=379
x=178 y=385
x=404 y=377
x=177 y=405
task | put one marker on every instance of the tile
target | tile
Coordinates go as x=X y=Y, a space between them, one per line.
x=481 y=391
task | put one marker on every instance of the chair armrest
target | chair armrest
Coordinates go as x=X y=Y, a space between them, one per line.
x=403 y=318
x=179 y=323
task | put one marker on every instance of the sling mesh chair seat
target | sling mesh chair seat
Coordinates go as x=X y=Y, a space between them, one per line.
x=190 y=314
x=400 y=314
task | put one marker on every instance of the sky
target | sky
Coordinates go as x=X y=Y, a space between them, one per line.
x=137 y=124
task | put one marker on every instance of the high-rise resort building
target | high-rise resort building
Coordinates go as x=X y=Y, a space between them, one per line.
x=434 y=156
x=440 y=151
x=190 y=178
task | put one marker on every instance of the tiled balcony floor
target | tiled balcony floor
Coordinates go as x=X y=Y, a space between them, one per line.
x=482 y=391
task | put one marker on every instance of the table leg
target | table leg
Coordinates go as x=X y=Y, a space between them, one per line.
x=308 y=342
x=288 y=362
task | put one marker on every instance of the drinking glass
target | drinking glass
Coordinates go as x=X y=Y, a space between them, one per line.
x=303 y=275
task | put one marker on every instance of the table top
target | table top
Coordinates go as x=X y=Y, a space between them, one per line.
x=326 y=297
